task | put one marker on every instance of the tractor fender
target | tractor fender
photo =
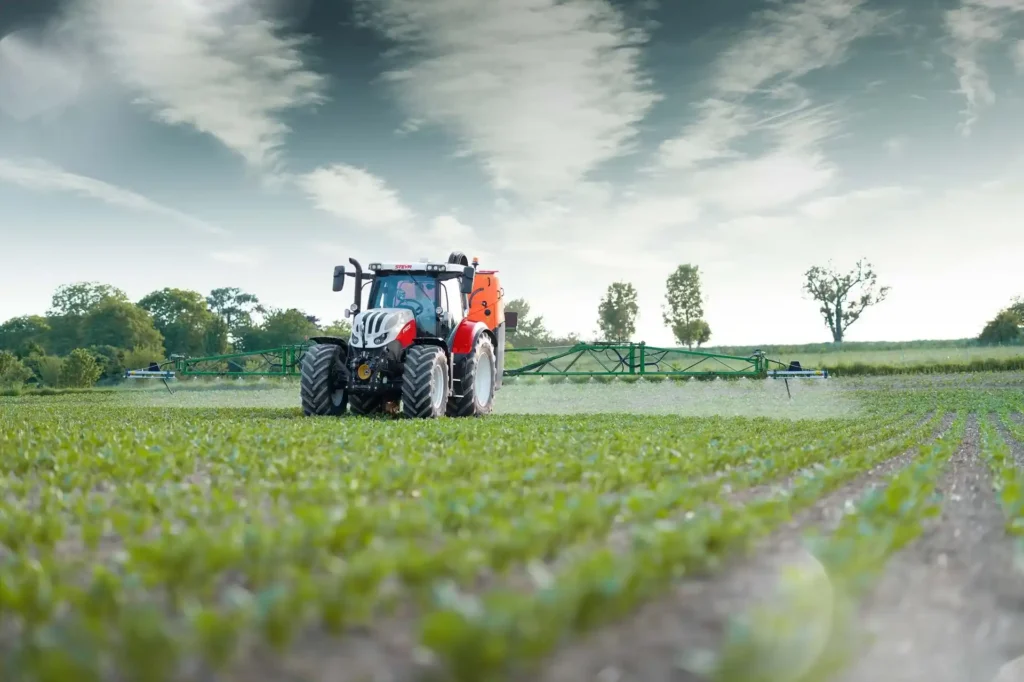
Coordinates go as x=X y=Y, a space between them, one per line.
x=465 y=335
x=330 y=341
x=432 y=342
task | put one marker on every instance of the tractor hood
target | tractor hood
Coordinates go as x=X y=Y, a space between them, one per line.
x=378 y=327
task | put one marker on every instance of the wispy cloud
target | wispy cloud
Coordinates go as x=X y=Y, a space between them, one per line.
x=246 y=256
x=222 y=67
x=792 y=41
x=972 y=26
x=764 y=182
x=354 y=195
x=541 y=92
x=598 y=215
x=38 y=175
x=827 y=208
x=781 y=46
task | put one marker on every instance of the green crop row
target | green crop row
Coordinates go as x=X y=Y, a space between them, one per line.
x=1007 y=475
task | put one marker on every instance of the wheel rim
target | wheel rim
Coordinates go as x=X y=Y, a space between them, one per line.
x=437 y=386
x=484 y=379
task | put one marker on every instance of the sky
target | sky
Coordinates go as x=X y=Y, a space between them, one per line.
x=567 y=143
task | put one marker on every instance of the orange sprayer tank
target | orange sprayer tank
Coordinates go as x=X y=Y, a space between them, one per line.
x=487 y=303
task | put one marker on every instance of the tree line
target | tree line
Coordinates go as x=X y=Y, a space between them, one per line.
x=93 y=331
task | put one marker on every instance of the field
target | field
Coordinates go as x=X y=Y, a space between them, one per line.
x=609 y=532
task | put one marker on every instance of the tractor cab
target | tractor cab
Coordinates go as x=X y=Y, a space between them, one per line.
x=433 y=298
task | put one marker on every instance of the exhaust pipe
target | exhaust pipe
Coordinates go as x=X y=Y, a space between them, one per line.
x=359 y=281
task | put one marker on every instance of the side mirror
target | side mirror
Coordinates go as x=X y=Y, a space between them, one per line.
x=468 y=275
x=339 y=277
x=511 y=319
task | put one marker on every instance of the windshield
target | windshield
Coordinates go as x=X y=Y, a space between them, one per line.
x=417 y=293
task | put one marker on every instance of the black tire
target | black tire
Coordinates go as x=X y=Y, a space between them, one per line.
x=365 y=405
x=467 y=370
x=419 y=381
x=458 y=258
x=324 y=381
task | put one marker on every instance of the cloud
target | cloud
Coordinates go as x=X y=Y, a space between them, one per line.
x=971 y=27
x=219 y=66
x=764 y=182
x=792 y=42
x=765 y=62
x=827 y=208
x=1017 y=54
x=38 y=175
x=38 y=75
x=627 y=223
x=541 y=92
x=354 y=195
x=791 y=167
x=450 y=228
x=244 y=256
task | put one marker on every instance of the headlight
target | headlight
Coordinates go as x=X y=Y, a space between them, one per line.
x=380 y=338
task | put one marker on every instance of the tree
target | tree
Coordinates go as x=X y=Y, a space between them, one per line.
x=80 y=369
x=110 y=360
x=236 y=308
x=340 y=328
x=617 y=313
x=80 y=298
x=1017 y=307
x=18 y=333
x=280 y=328
x=120 y=324
x=689 y=333
x=529 y=331
x=685 y=306
x=188 y=326
x=13 y=372
x=840 y=306
x=1004 y=328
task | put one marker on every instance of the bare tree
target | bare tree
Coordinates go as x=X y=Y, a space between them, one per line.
x=841 y=306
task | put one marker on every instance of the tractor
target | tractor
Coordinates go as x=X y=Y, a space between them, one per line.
x=411 y=347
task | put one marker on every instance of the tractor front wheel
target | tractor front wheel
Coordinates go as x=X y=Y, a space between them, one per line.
x=477 y=376
x=424 y=382
x=323 y=386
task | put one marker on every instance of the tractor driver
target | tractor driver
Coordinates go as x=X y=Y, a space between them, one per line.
x=423 y=293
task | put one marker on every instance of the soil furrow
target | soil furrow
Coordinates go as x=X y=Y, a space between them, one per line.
x=649 y=646
x=950 y=606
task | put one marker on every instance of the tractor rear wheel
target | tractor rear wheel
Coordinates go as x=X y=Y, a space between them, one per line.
x=477 y=376
x=323 y=386
x=365 y=405
x=424 y=382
